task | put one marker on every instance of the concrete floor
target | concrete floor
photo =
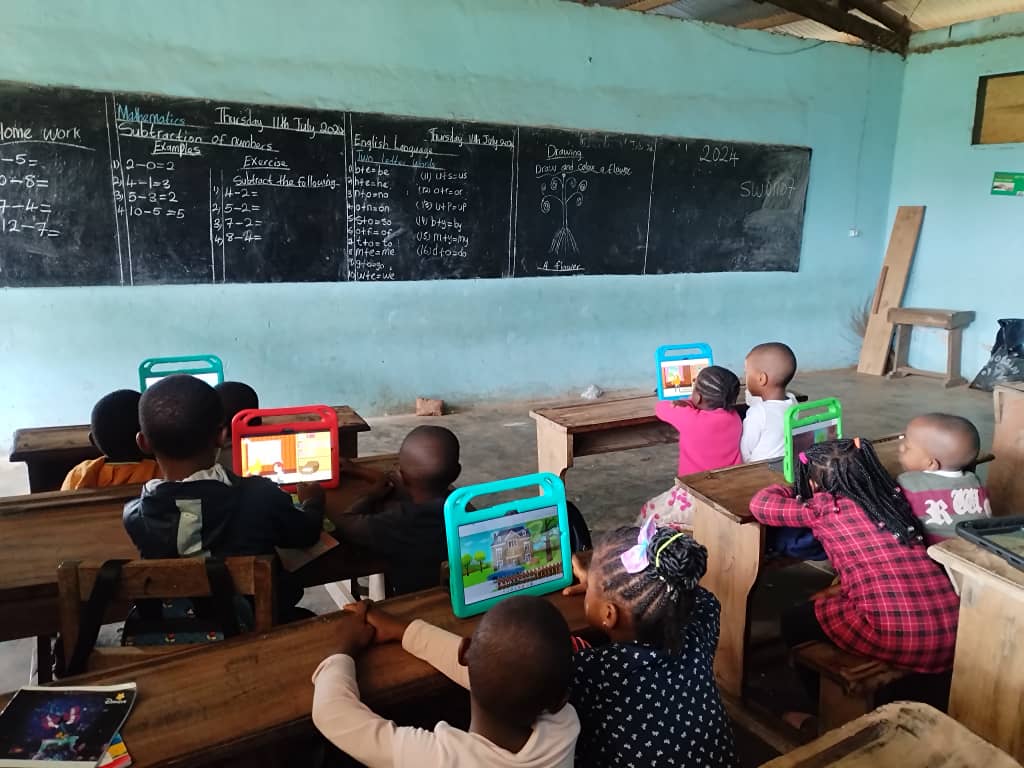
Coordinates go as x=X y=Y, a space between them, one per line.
x=498 y=440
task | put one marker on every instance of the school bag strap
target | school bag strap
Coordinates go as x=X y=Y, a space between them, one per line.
x=91 y=620
x=222 y=591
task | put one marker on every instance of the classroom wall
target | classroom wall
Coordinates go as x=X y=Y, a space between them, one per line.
x=971 y=252
x=534 y=62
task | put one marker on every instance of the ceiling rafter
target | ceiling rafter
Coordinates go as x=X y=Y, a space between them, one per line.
x=841 y=21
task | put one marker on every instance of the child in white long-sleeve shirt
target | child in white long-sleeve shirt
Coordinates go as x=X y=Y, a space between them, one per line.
x=516 y=667
x=768 y=369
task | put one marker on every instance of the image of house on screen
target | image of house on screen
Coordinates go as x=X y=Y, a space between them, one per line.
x=511 y=547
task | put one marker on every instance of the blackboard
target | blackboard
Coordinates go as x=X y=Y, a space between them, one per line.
x=132 y=189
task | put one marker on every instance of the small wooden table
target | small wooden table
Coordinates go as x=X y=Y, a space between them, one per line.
x=584 y=429
x=950 y=320
x=988 y=669
x=224 y=699
x=900 y=735
x=50 y=453
x=40 y=530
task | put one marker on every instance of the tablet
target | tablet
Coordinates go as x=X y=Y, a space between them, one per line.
x=299 y=446
x=678 y=366
x=209 y=368
x=808 y=424
x=1003 y=536
x=517 y=547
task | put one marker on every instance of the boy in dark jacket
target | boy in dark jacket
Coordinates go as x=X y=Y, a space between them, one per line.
x=200 y=508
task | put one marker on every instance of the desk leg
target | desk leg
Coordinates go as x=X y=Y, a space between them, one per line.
x=554 y=448
x=734 y=558
x=988 y=670
x=348 y=444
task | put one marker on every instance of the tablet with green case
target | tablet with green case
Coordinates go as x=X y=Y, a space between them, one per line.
x=518 y=547
x=807 y=424
x=209 y=368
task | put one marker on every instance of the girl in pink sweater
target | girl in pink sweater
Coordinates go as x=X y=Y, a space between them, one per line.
x=709 y=438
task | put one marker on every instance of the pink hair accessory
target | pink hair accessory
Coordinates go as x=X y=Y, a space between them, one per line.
x=803 y=458
x=635 y=558
x=856 y=442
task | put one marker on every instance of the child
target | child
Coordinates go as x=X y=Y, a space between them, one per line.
x=709 y=438
x=402 y=518
x=234 y=397
x=893 y=603
x=936 y=454
x=516 y=667
x=114 y=426
x=651 y=692
x=768 y=370
x=200 y=508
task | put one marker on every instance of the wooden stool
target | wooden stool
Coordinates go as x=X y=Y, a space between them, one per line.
x=951 y=320
x=848 y=682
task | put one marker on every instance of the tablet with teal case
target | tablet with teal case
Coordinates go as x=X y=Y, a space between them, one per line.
x=209 y=368
x=518 y=547
x=808 y=424
x=678 y=366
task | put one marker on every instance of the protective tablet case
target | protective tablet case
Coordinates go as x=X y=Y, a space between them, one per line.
x=979 y=531
x=679 y=353
x=518 y=550
x=192 y=365
x=318 y=418
x=819 y=412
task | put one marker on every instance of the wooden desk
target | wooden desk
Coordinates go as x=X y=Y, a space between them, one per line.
x=87 y=525
x=50 y=453
x=988 y=669
x=226 y=698
x=1004 y=483
x=722 y=522
x=584 y=429
x=900 y=735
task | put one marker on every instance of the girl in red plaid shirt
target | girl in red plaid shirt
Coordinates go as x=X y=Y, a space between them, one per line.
x=893 y=602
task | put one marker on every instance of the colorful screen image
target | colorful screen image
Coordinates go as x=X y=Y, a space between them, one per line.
x=1012 y=542
x=812 y=434
x=288 y=458
x=677 y=376
x=506 y=554
x=210 y=378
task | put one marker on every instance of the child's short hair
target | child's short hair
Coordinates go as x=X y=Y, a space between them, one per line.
x=660 y=597
x=520 y=660
x=115 y=425
x=719 y=387
x=430 y=456
x=958 y=443
x=180 y=416
x=778 y=361
x=236 y=396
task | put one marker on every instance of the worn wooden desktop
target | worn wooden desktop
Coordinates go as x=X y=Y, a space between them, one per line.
x=238 y=696
x=40 y=530
x=900 y=735
x=50 y=453
x=988 y=668
x=604 y=426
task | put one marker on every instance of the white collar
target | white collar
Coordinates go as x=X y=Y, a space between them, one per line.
x=945 y=472
x=216 y=473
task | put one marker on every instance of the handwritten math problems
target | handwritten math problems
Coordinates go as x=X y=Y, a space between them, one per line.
x=131 y=189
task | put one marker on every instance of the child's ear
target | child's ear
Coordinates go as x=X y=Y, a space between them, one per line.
x=609 y=616
x=92 y=441
x=143 y=443
x=559 y=704
x=225 y=436
x=455 y=473
x=696 y=398
x=934 y=464
x=464 y=651
x=762 y=378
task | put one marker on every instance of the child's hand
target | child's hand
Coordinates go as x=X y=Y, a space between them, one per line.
x=830 y=591
x=580 y=569
x=355 y=634
x=309 y=492
x=683 y=403
x=388 y=628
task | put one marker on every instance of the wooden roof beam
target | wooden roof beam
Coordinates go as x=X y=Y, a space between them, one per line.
x=768 y=22
x=645 y=5
x=882 y=13
x=841 y=21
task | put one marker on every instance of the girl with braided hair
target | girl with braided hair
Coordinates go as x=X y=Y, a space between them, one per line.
x=649 y=697
x=893 y=602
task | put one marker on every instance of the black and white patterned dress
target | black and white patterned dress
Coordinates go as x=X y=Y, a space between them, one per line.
x=640 y=706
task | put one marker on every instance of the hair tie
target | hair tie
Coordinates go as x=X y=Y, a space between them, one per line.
x=856 y=443
x=635 y=558
x=803 y=458
x=657 y=555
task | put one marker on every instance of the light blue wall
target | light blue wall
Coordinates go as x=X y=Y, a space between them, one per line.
x=971 y=252
x=539 y=62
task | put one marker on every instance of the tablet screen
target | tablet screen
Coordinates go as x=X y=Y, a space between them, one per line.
x=506 y=554
x=210 y=378
x=1012 y=542
x=288 y=458
x=677 y=376
x=812 y=434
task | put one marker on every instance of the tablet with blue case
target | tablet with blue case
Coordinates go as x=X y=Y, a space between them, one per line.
x=678 y=366
x=823 y=422
x=209 y=368
x=517 y=547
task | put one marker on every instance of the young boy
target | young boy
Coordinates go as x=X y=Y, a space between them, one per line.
x=402 y=519
x=234 y=397
x=114 y=425
x=768 y=369
x=937 y=454
x=516 y=667
x=199 y=508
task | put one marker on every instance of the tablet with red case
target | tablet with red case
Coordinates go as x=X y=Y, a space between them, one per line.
x=287 y=445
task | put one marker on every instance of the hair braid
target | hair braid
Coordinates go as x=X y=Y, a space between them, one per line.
x=718 y=386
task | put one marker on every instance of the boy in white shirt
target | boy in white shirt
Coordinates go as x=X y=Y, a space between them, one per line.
x=516 y=667
x=768 y=369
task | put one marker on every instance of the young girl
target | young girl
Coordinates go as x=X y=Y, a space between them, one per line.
x=893 y=602
x=709 y=438
x=650 y=696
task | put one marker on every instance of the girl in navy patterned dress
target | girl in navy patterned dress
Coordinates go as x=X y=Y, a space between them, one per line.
x=649 y=697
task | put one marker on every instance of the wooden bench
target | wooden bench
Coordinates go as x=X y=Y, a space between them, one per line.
x=50 y=453
x=848 y=682
x=899 y=735
x=951 y=320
